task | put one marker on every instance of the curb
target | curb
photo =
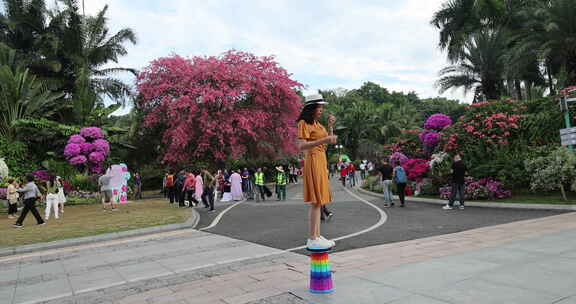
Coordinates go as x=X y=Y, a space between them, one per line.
x=479 y=204
x=191 y=223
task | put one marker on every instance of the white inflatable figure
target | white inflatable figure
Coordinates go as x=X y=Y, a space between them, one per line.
x=116 y=181
x=124 y=189
x=4 y=171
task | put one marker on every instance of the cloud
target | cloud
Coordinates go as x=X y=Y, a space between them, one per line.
x=325 y=44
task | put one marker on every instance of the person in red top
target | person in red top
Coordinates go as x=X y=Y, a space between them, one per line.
x=189 y=188
x=343 y=174
x=352 y=174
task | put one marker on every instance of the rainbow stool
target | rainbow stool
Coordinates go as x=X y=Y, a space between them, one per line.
x=320 y=274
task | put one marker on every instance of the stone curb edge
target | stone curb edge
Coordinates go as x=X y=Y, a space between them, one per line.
x=191 y=223
x=479 y=204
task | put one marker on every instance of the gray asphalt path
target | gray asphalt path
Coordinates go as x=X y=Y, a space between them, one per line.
x=283 y=225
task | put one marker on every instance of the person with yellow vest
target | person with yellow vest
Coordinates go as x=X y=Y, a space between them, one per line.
x=259 y=182
x=281 y=182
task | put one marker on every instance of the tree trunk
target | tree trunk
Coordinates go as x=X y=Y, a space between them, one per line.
x=518 y=86
x=563 y=192
x=550 y=83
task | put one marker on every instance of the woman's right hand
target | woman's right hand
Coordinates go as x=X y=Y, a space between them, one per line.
x=331 y=139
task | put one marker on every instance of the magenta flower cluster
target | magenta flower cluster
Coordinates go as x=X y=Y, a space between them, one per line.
x=430 y=138
x=88 y=149
x=398 y=157
x=42 y=175
x=92 y=133
x=438 y=121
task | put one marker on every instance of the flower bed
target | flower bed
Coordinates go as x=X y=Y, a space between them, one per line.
x=482 y=189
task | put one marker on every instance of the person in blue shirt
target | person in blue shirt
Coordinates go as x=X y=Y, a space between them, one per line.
x=400 y=179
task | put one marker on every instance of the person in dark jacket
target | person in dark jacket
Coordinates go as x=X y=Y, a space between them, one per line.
x=458 y=182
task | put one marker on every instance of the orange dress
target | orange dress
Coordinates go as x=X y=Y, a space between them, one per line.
x=316 y=184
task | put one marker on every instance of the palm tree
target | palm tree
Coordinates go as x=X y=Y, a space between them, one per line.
x=550 y=30
x=22 y=95
x=87 y=48
x=61 y=45
x=482 y=67
x=458 y=19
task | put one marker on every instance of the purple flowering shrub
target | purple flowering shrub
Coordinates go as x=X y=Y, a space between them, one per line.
x=398 y=157
x=91 y=133
x=3 y=193
x=88 y=149
x=484 y=188
x=41 y=175
x=438 y=122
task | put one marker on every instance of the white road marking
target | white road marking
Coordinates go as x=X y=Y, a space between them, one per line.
x=220 y=215
x=383 y=219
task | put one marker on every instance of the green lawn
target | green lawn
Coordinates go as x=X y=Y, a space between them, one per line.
x=86 y=220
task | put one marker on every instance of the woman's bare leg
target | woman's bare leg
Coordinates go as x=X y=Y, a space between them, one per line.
x=314 y=221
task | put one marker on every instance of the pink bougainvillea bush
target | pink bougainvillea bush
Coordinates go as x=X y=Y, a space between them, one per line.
x=416 y=168
x=87 y=150
x=220 y=107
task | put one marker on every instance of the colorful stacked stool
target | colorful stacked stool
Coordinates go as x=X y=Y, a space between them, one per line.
x=320 y=274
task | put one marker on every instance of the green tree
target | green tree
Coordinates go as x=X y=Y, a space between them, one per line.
x=22 y=95
x=549 y=28
x=482 y=68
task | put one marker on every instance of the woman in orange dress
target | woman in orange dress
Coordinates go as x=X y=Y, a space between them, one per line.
x=312 y=139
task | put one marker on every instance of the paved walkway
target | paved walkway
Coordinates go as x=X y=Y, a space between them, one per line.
x=532 y=261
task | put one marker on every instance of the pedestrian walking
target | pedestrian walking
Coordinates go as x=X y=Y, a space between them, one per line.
x=343 y=174
x=386 y=179
x=208 y=193
x=227 y=195
x=219 y=188
x=363 y=170
x=31 y=194
x=351 y=174
x=294 y=173
x=179 y=188
x=170 y=187
x=199 y=188
x=259 y=182
x=236 y=185
x=332 y=168
x=164 y=190
x=51 y=199
x=137 y=186
x=104 y=182
x=400 y=179
x=61 y=194
x=189 y=187
x=12 y=197
x=313 y=139
x=245 y=181
x=325 y=214
x=458 y=182
x=280 y=184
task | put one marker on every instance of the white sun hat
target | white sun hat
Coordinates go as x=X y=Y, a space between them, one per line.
x=314 y=99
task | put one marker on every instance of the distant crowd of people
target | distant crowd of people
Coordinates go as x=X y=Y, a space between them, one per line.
x=189 y=188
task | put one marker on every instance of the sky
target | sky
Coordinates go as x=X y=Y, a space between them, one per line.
x=324 y=44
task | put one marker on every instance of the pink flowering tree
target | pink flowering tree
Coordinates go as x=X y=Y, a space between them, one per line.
x=215 y=108
x=88 y=150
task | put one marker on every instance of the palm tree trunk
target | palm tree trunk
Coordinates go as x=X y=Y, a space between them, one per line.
x=518 y=86
x=550 y=83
